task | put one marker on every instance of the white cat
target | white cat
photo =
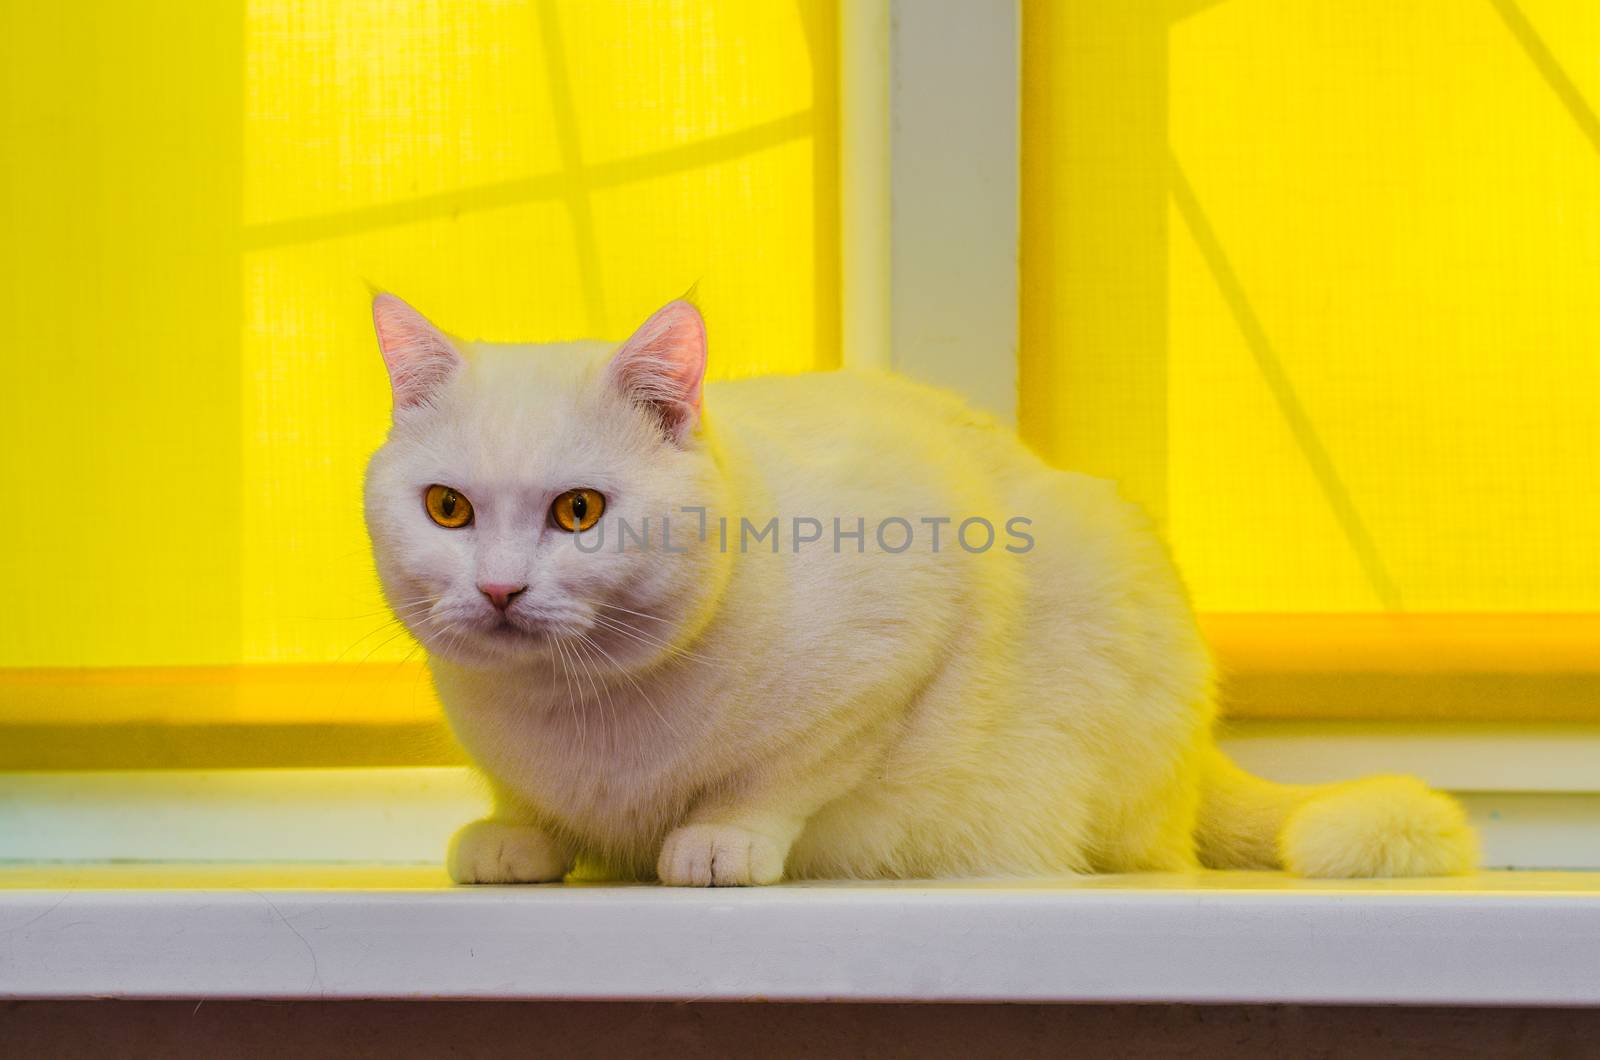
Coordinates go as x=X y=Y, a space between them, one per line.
x=658 y=678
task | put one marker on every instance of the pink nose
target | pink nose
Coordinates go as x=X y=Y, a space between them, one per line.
x=499 y=593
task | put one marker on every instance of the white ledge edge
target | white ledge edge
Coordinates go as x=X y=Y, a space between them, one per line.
x=899 y=943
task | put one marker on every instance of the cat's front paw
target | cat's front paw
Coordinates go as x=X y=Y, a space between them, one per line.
x=497 y=852
x=719 y=855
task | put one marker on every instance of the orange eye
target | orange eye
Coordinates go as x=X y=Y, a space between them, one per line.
x=578 y=509
x=447 y=507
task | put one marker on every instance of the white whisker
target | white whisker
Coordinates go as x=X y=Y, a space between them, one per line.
x=637 y=687
x=618 y=626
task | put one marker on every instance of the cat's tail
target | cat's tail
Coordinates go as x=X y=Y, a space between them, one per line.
x=1377 y=826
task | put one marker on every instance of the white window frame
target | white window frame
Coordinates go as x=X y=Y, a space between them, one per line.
x=929 y=234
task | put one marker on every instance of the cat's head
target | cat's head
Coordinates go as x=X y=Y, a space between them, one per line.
x=497 y=504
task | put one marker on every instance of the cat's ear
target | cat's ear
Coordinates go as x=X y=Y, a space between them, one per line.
x=418 y=355
x=663 y=365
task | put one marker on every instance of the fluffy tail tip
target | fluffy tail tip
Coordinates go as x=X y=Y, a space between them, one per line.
x=1380 y=826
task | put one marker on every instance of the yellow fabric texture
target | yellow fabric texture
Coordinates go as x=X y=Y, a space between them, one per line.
x=198 y=194
x=1321 y=284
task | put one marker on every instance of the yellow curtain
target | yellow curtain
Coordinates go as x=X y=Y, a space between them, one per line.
x=1321 y=283
x=197 y=195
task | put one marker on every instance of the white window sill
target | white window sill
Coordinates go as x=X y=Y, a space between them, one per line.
x=400 y=932
x=356 y=907
x=1533 y=792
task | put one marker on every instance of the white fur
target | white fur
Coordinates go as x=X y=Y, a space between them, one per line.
x=728 y=718
x=1379 y=826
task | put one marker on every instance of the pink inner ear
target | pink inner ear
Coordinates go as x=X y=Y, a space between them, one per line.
x=418 y=355
x=664 y=364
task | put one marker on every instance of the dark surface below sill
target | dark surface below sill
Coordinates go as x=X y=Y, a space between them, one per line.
x=559 y=1029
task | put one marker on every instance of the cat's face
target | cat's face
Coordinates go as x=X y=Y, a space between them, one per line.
x=496 y=505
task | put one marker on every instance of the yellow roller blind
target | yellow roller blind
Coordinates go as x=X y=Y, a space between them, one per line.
x=197 y=195
x=1321 y=283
